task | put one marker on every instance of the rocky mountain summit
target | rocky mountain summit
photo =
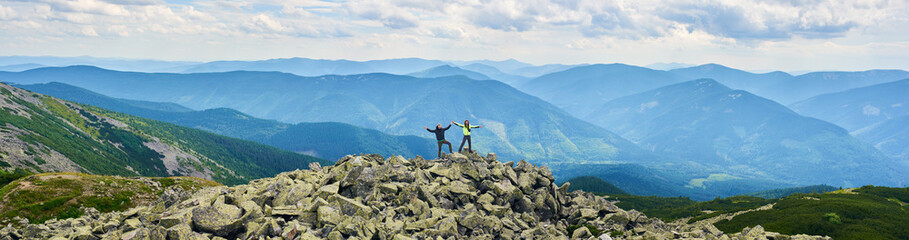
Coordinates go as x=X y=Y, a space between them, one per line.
x=460 y=196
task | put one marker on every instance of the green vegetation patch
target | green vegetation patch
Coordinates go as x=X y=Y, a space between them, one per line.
x=81 y=133
x=673 y=208
x=89 y=143
x=245 y=160
x=782 y=192
x=866 y=213
x=41 y=197
x=7 y=176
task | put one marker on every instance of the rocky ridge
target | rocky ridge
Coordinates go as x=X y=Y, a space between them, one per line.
x=460 y=196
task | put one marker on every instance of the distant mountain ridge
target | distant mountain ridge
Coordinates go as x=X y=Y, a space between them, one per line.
x=858 y=108
x=579 y=89
x=447 y=71
x=142 y=65
x=816 y=83
x=20 y=67
x=711 y=124
x=319 y=67
x=515 y=125
x=776 y=85
x=495 y=73
x=508 y=71
x=735 y=78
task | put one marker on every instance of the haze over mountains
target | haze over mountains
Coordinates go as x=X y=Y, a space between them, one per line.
x=508 y=70
x=711 y=124
x=861 y=107
x=143 y=65
x=734 y=78
x=689 y=137
x=448 y=70
x=516 y=124
x=891 y=137
x=579 y=90
x=318 y=67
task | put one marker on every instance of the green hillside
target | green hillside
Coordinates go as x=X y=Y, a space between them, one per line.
x=45 y=134
x=673 y=208
x=329 y=140
x=864 y=213
x=782 y=192
x=868 y=212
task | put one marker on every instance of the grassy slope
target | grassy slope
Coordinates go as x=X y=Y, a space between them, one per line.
x=91 y=144
x=45 y=196
x=782 y=192
x=101 y=148
x=247 y=159
x=864 y=213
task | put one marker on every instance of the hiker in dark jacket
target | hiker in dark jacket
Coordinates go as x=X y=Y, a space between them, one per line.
x=440 y=137
x=466 y=129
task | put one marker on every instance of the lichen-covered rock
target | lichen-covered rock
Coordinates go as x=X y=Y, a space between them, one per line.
x=581 y=233
x=461 y=196
x=219 y=218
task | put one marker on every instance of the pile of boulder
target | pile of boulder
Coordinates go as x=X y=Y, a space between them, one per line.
x=460 y=196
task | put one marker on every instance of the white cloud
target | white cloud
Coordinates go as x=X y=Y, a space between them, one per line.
x=296 y=12
x=448 y=32
x=743 y=32
x=264 y=23
x=389 y=15
x=135 y=2
x=6 y=13
x=89 y=31
x=87 y=6
x=120 y=30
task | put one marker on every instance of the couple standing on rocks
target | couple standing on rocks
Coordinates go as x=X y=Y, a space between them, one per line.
x=440 y=135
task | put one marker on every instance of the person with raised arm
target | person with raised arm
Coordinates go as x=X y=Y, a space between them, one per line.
x=466 y=129
x=440 y=137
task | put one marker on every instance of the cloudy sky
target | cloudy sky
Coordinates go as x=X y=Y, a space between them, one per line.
x=748 y=34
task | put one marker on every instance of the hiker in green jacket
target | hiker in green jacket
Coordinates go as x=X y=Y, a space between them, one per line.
x=440 y=137
x=466 y=129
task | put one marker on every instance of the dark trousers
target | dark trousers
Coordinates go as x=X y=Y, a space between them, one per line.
x=466 y=139
x=440 y=146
